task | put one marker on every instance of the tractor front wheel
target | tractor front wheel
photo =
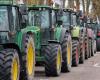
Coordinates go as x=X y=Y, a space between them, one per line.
x=75 y=53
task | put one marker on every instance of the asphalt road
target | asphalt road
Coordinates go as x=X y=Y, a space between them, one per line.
x=90 y=70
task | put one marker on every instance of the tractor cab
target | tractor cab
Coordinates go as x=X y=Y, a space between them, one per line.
x=75 y=22
x=92 y=24
x=9 y=22
x=43 y=18
x=66 y=18
x=64 y=15
x=39 y=16
x=74 y=19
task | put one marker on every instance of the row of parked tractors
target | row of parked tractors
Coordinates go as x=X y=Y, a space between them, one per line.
x=40 y=35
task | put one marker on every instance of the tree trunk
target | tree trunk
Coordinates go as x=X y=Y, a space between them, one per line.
x=77 y=4
x=71 y=4
x=83 y=4
x=87 y=6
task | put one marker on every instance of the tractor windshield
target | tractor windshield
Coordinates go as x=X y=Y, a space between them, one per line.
x=4 y=19
x=74 y=20
x=39 y=18
x=65 y=19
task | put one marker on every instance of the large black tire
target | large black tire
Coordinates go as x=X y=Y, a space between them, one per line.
x=86 y=46
x=52 y=54
x=75 y=52
x=90 y=46
x=95 y=47
x=65 y=45
x=98 y=44
x=9 y=61
x=82 y=49
x=28 y=58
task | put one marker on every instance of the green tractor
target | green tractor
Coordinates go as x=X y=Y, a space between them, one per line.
x=70 y=21
x=52 y=42
x=66 y=18
x=17 y=50
x=78 y=37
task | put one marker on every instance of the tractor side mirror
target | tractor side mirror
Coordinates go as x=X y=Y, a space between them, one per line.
x=59 y=22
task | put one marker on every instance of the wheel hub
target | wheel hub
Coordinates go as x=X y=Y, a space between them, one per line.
x=58 y=60
x=69 y=53
x=15 y=70
x=30 y=59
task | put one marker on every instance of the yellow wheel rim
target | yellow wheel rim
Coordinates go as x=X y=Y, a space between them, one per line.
x=30 y=59
x=69 y=53
x=15 y=70
x=58 y=59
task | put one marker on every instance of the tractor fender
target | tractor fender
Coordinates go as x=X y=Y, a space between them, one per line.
x=75 y=32
x=57 y=34
x=90 y=33
x=23 y=37
x=19 y=39
x=63 y=31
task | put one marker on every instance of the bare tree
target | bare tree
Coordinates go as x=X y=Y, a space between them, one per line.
x=71 y=4
x=77 y=4
x=96 y=8
x=87 y=6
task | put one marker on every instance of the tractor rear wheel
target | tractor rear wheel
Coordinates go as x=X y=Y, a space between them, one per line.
x=90 y=47
x=9 y=65
x=53 y=60
x=82 y=49
x=75 y=53
x=95 y=47
x=86 y=47
x=28 y=58
x=66 y=53
x=98 y=44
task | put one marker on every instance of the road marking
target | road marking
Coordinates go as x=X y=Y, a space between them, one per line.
x=96 y=65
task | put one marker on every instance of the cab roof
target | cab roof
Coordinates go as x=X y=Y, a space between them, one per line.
x=8 y=5
x=37 y=7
